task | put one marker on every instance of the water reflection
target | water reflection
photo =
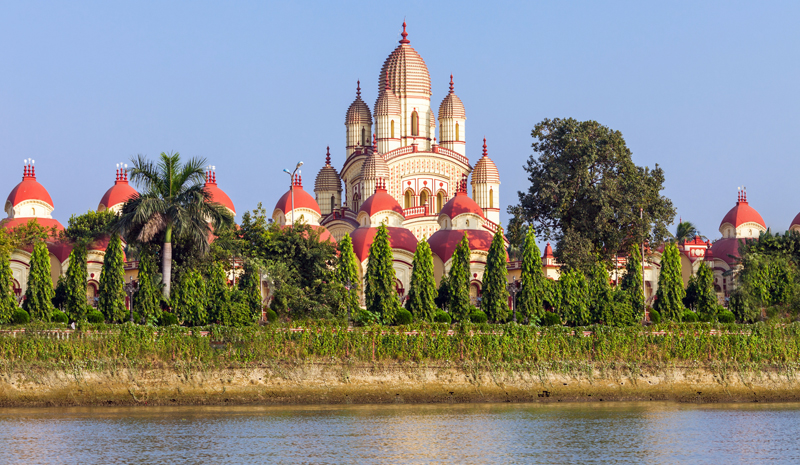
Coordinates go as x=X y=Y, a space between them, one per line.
x=495 y=433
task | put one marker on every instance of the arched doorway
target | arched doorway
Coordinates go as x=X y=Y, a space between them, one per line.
x=474 y=293
x=91 y=294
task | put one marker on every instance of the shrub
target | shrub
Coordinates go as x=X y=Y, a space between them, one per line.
x=655 y=317
x=551 y=319
x=726 y=316
x=168 y=319
x=59 y=317
x=402 y=317
x=20 y=317
x=442 y=317
x=137 y=318
x=477 y=316
x=364 y=317
x=689 y=317
x=95 y=317
x=272 y=317
x=772 y=311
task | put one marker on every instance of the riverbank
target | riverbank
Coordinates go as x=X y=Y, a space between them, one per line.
x=284 y=383
x=319 y=363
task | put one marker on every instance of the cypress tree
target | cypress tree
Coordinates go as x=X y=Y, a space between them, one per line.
x=670 y=294
x=706 y=296
x=632 y=281
x=600 y=295
x=347 y=272
x=459 y=281
x=39 y=294
x=573 y=301
x=218 y=298
x=189 y=298
x=111 y=302
x=75 y=283
x=147 y=297
x=530 y=300
x=495 y=277
x=380 y=292
x=422 y=296
x=250 y=289
x=8 y=304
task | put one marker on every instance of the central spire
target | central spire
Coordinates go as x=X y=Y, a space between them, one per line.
x=404 y=40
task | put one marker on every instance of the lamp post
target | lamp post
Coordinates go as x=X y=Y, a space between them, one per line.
x=291 y=188
x=130 y=288
x=513 y=289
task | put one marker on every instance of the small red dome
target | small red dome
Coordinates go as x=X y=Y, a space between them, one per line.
x=399 y=238
x=795 y=221
x=29 y=189
x=218 y=195
x=301 y=198
x=460 y=204
x=726 y=249
x=444 y=241
x=380 y=201
x=742 y=213
x=548 y=251
x=119 y=193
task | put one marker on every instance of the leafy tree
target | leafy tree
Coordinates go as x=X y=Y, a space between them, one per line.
x=189 y=299
x=8 y=304
x=495 y=277
x=573 y=301
x=706 y=297
x=600 y=295
x=250 y=290
x=75 y=284
x=442 y=299
x=530 y=300
x=89 y=227
x=347 y=274
x=381 y=296
x=632 y=281
x=621 y=312
x=517 y=233
x=422 y=295
x=111 y=302
x=764 y=280
x=218 y=296
x=147 y=297
x=458 y=285
x=587 y=194
x=670 y=294
x=39 y=294
x=686 y=231
x=173 y=205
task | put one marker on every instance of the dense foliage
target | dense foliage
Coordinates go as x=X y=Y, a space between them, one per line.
x=39 y=294
x=74 y=284
x=422 y=295
x=8 y=304
x=530 y=300
x=147 y=297
x=347 y=275
x=458 y=281
x=632 y=282
x=111 y=302
x=381 y=295
x=670 y=293
x=494 y=300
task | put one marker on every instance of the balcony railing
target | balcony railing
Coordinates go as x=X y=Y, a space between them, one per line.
x=415 y=212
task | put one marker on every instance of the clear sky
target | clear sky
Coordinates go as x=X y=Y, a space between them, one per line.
x=708 y=90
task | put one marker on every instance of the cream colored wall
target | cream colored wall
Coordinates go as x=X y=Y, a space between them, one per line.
x=29 y=209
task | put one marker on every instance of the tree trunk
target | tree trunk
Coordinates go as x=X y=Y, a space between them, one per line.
x=166 y=268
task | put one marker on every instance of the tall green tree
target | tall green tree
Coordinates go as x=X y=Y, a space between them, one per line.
x=494 y=301
x=39 y=294
x=700 y=294
x=380 y=293
x=632 y=281
x=90 y=226
x=75 y=283
x=189 y=300
x=670 y=294
x=347 y=274
x=530 y=300
x=218 y=295
x=111 y=302
x=8 y=304
x=588 y=195
x=250 y=289
x=422 y=295
x=173 y=205
x=146 y=300
x=600 y=295
x=574 y=298
x=458 y=285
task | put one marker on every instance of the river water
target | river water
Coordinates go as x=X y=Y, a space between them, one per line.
x=495 y=433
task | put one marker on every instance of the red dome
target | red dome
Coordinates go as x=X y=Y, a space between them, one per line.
x=460 y=204
x=399 y=238
x=29 y=189
x=444 y=241
x=742 y=213
x=301 y=198
x=119 y=193
x=726 y=249
x=795 y=221
x=380 y=201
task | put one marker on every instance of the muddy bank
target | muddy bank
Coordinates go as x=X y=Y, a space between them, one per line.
x=337 y=383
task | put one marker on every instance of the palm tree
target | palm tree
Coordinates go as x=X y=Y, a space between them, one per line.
x=172 y=202
x=686 y=231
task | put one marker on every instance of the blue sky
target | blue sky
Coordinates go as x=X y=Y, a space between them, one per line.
x=708 y=90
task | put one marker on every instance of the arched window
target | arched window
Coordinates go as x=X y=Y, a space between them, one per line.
x=423 y=198
x=333 y=202
x=392 y=126
x=439 y=202
x=491 y=198
x=33 y=211
x=457 y=132
x=355 y=202
x=409 y=199
x=363 y=136
x=414 y=124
